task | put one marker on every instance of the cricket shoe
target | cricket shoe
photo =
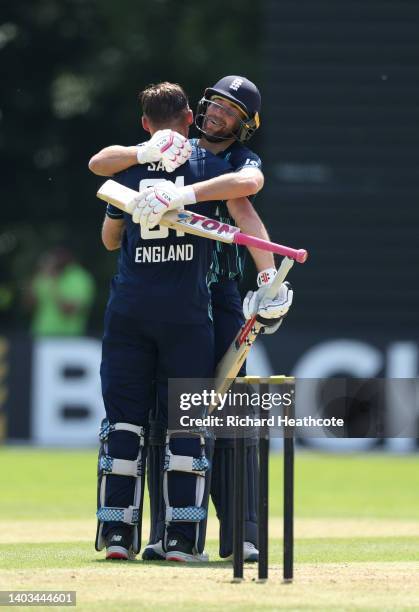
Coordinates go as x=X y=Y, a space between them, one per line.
x=182 y=550
x=119 y=543
x=250 y=553
x=154 y=552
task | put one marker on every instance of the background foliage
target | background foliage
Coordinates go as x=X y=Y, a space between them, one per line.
x=71 y=71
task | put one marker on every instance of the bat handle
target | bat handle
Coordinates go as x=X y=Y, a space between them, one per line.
x=280 y=276
x=301 y=255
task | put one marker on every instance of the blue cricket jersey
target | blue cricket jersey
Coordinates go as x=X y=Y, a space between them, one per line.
x=162 y=273
x=228 y=259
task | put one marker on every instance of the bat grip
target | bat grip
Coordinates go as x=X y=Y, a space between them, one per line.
x=280 y=276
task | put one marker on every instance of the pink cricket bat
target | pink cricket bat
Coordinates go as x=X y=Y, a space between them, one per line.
x=192 y=223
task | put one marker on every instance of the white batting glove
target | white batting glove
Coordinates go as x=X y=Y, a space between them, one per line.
x=167 y=146
x=273 y=309
x=152 y=203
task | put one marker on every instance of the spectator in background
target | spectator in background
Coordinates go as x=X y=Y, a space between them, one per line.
x=61 y=295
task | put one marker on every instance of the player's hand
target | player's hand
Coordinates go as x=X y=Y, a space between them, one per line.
x=152 y=203
x=167 y=146
x=270 y=309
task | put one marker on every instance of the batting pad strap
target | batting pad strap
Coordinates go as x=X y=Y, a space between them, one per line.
x=198 y=433
x=122 y=467
x=106 y=428
x=184 y=463
x=130 y=515
x=188 y=514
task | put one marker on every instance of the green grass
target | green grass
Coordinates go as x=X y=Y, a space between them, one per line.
x=41 y=484
x=377 y=485
x=364 y=572
x=309 y=550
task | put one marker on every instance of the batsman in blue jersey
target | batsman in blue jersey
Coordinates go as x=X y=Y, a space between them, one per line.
x=157 y=326
x=227 y=116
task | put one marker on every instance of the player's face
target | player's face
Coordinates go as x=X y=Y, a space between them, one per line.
x=221 y=118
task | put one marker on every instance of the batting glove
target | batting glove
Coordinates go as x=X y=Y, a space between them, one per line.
x=167 y=146
x=268 y=309
x=150 y=205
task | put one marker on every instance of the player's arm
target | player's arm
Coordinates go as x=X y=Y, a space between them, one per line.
x=245 y=182
x=165 y=146
x=249 y=222
x=113 y=159
x=112 y=231
x=151 y=203
x=274 y=308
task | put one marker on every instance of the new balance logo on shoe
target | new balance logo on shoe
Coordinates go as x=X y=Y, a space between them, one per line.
x=116 y=538
x=172 y=542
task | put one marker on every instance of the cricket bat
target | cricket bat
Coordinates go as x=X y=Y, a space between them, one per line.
x=230 y=364
x=192 y=223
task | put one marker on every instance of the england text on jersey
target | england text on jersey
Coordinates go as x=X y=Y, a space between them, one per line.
x=161 y=267
x=160 y=254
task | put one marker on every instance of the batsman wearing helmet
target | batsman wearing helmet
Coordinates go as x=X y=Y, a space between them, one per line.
x=157 y=313
x=227 y=116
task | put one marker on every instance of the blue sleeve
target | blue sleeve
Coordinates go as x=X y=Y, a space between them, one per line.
x=250 y=162
x=114 y=213
x=128 y=177
x=245 y=158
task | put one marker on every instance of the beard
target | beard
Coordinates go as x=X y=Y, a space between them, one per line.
x=216 y=130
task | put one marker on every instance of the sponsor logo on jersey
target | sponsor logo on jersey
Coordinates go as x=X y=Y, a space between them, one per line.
x=251 y=162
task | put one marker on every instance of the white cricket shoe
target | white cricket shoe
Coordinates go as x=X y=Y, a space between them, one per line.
x=250 y=553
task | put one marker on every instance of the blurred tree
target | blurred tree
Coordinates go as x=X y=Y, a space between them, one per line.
x=71 y=71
